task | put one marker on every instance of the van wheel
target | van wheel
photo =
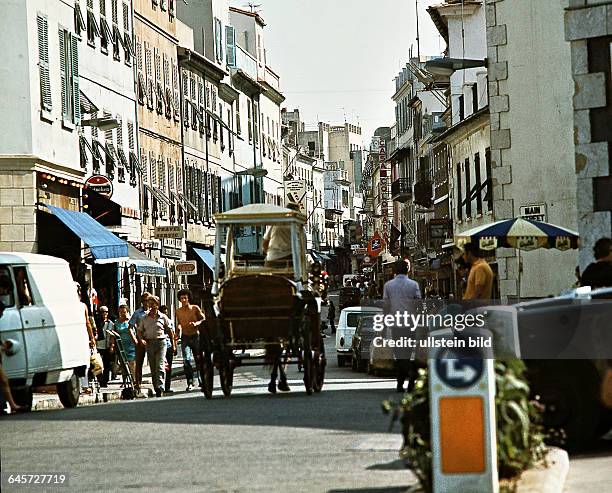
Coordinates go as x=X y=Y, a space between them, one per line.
x=69 y=391
x=24 y=397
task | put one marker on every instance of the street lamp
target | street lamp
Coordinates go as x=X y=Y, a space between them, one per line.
x=103 y=123
x=254 y=172
x=446 y=66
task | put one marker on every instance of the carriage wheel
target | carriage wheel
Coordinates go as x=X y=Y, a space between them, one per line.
x=226 y=375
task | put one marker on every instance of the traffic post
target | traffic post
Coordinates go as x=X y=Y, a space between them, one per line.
x=462 y=409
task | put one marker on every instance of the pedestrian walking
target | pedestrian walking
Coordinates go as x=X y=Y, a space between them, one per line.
x=331 y=315
x=140 y=349
x=128 y=339
x=103 y=344
x=599 y=273
x=398 y=295
x=170 y=352
x=480 y=278
x=92 y=339
x=189 y=318
x=153 y=330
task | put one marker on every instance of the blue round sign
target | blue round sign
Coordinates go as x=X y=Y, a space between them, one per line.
x=459 y=373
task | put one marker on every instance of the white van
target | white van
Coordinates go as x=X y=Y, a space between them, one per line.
x=44 y=321
x=349 y=318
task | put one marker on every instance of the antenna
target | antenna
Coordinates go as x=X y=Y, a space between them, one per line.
x=416 y=4
x=253 y=7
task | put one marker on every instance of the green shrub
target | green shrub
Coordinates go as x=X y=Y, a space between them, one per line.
x=520 y=439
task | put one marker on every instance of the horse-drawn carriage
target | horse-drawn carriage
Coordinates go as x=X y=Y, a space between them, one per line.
x=261 y=302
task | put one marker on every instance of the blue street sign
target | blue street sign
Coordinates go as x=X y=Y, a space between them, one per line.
x=459 y=373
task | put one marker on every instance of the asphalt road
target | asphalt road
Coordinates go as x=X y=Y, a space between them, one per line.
x=337 y=440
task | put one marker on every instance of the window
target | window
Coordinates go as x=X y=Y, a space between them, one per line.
x=24 y=291
x=218 y=40
x=468 y=189
x=120 y=153
x=79 y=21
x=250 y=118
x=7 y=294
x=141 y=84
x=69 y=75
x=116 y=37
x=478 y=186
x=145 y=166
x=230 y=46
x=175 y=87
x=459 y=193
x=221 y=126
x=93 y=29
x=489 y=183
x=105 y=30
x=43 y=63
x=475 y=97
x=461 y=108
x=128 y=46
x=238 y=129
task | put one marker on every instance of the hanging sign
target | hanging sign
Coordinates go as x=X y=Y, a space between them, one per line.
x=100 y=184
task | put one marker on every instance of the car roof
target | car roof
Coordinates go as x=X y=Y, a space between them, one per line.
x=29 y=258
x=365 y=309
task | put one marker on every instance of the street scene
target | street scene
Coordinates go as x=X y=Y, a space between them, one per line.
x=328 y=246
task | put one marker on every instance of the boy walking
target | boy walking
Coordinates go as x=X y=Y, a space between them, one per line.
x=189 y=318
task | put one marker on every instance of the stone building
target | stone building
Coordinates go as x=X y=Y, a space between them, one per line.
x=589 y=30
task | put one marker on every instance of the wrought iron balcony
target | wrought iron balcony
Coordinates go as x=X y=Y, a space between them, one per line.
x=401 y=190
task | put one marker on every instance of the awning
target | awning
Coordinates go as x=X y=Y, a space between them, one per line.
x=105 y=246
x=144 y=265
x=207 y=257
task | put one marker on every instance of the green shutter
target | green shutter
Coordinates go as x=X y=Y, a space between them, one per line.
x=43 y=62
x=76 y=95
x=63 y=78
x=230 y=40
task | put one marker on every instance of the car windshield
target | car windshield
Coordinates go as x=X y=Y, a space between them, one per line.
x=352 y=318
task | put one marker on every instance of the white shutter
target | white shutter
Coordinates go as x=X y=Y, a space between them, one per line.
x=43 y=62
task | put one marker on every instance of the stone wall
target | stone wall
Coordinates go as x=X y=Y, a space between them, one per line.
x=17 y=211
x=586 y=23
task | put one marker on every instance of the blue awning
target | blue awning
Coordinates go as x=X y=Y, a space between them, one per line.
x=105 y=246
x=144 y=265
x=207 y=257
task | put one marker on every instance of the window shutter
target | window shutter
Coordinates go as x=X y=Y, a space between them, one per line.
x=62 y=50
x=230 y=40
x=43 y=62
x=145 y=166
x=76 y=95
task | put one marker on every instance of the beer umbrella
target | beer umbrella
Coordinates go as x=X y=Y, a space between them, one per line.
x=522 y=234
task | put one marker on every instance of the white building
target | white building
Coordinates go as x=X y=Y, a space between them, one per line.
x=39 y=148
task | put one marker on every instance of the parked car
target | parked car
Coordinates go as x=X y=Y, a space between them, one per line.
x=45 y=324
x=349 y=318
x=381 y=359
x=349 y=297
x=361 y=343
x=566 y=344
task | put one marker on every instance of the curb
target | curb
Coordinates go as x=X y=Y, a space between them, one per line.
x=546 y=479
x=53 y=402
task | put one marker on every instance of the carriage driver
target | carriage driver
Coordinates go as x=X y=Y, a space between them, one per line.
x=277 y=243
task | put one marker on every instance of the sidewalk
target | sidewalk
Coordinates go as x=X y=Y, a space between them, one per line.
x=50 y=400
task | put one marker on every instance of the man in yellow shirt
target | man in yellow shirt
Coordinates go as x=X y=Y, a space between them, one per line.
x=480 y=279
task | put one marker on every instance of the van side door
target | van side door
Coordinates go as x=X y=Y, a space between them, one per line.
x=11 y=329
x=35 y=319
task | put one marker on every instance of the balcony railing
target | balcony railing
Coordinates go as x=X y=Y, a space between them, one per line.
x=401 y=190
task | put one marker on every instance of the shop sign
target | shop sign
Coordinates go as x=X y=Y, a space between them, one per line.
x=171 y=252
x=100 y=184
x=186 y=268
x=375 y=245
x=295 y=191
x=360 y=251
x=534 y=212
x=168 y=232
x=385 y=189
